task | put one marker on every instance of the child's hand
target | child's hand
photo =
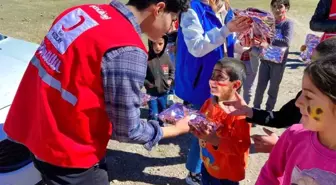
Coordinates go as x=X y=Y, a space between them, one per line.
x=172 y=48
x=303 y=48
x=264 y=44
x=205 y=132
x=255 y=42
x=150 y=86
x=265 y=143
x=169 y=82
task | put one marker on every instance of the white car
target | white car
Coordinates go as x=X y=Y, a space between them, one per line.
x=16 y=167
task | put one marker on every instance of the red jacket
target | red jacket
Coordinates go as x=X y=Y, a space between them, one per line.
x=58 y=111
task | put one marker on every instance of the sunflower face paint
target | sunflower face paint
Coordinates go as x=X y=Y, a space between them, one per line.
x=315 y=112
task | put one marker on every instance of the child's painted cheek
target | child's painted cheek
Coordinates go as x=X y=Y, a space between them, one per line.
x=315 y=112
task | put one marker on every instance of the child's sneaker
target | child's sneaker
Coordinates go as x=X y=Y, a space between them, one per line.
x=194 y=179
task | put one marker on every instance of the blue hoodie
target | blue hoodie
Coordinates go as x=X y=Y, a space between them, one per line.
x=193 y=73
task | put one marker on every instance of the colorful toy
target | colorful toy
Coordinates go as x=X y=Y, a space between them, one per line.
x=197 y=120
x=273 y=53
x=145 y=98
x=310 y=44
x=174 y=113
x=263 y=27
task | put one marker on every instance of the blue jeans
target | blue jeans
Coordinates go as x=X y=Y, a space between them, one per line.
x=207 y=179
x=156 y=106
x=194 y=162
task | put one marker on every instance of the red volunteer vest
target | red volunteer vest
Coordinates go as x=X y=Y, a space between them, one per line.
x=332 y=16
x=59 y=110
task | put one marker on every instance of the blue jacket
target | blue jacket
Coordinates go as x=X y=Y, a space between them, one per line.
x=193 y=73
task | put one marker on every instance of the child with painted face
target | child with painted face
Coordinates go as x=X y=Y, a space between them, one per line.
x=310 y=146
x=225 y=151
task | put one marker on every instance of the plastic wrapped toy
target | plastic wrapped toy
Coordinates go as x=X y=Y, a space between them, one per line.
x=174 y=113
x=310 y=44
x=145 y=98
x=273 y=53
x=197 y=120
x=263 y=27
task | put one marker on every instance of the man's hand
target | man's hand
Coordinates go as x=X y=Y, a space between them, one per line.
x=265 y=143
x=182 y=125
x=178 y=128
x=239 y=24
x=237 y=107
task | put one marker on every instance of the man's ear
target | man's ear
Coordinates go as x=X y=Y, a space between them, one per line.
x=158 y=8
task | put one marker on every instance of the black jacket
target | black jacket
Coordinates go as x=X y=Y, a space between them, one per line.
x=288 y=115
x=320 y=22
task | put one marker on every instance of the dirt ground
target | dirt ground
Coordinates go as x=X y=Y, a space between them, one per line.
x=131 y=164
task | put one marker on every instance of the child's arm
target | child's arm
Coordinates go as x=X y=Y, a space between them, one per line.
x=286 y=116
x=274 y=167
x=287 y=33
x=236 y=143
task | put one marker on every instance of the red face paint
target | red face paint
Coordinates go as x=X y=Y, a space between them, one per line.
x=222 y=84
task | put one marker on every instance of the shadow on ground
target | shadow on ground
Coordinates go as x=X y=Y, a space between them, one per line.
x=294 y=63
x=294 y=53
x=127 y=166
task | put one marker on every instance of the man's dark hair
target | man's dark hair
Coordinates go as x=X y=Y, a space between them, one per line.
x=235 y=69
x=175 y=6
x=322 y=73
x=284 y=2
x=326 y=47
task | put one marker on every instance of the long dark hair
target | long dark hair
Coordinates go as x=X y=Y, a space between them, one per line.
x=322 y=73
